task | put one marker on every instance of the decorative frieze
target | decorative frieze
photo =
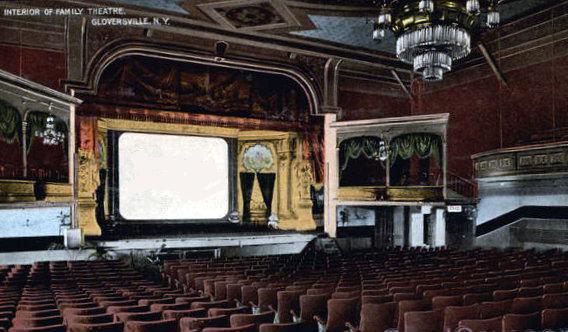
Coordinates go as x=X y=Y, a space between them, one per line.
x=531 y=159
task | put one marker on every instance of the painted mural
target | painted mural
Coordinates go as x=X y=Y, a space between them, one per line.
x=201 y=89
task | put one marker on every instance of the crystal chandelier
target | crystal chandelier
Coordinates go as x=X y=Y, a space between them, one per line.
x=50 y=135
x=432 y=34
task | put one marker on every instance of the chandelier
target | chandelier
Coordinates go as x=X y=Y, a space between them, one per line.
x=432 y=34
x=50 y=134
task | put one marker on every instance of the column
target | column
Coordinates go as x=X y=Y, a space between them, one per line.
x=416 y=227
x=398 y=226
x=331 y=176
x=439 y=227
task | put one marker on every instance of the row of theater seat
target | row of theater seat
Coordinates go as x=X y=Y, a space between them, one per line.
x=404 y=289
x=438 y=290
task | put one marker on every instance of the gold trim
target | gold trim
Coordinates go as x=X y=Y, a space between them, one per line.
x=416 y=193
x=16 y=191
x=106 y=124
x=58 y=192
x=364 y=193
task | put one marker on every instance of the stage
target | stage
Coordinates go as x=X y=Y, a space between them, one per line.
x=221 y=244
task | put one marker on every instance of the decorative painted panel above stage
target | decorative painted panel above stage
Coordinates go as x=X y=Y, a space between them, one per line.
x=195 y=88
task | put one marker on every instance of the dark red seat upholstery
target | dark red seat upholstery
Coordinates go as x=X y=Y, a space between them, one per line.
x=423 y=321
x=482 y=325
x=521 y=322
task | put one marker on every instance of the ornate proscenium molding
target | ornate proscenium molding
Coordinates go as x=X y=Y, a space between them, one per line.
x=122 y=49
x=88 y=181
x=524 y=161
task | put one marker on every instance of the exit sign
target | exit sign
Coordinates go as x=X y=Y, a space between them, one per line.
x=455 y=208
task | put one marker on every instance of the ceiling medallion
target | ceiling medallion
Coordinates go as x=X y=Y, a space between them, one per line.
x=432 y=34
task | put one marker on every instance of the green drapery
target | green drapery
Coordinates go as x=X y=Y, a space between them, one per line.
x=423 y=145
x=355 y=147
x=36 y=123
x=10 y=122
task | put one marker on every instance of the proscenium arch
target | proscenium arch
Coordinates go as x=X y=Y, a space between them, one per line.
x=119 y=50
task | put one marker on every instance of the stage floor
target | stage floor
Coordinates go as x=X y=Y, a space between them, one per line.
x=223 y=244
x=195 y=241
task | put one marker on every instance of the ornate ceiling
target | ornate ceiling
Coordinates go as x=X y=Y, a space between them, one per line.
x=338 y=22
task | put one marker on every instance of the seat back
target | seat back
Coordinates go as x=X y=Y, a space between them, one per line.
x=288 y=300
x=423 y=321
x=104 y=327
x=281 y=327
x=311 y=305
x=521 y=322
x=341 y=311
x=188 y=324
x=554 y=319
x=378 y=317
x=410 y=305
x=526 y=305
x=247 y=328
x=237 y=320
x=440 y=302
x=554 y=301
x=89 y=319
x=454 y=314
x=494 y=309
x=481 y=325
x=169 y=325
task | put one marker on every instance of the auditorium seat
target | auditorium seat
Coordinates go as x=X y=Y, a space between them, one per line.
x=553 y=288
x=454 y=314
x=169 y=325
x=179 y=314
x=228 y=311
x=377 y=299
x=526 y=305
x=89 y=319
x=410 y=305
x=440 y=302
x=191 y=299
x=310 y=306
x=555 y=301
x=474 y=298
x=246 y=328
x=521 y=322
x=37 y=322
x=423 y=321
x=210 y=304
x=282 y=327
x=554 y=319
x=128 y=308
x=494 y=309
x=482 y=325
x=339 y=312
x=237 y=320
x=188 y=324
x=376 y=317
x=103 y=327
x=138 y=316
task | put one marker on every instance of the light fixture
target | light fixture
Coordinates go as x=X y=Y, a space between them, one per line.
x=432 y=34
x=50 y=134
x=384 y=21
x=472 y=6
x=493 y=16
x=383 y=152
x=426 y=6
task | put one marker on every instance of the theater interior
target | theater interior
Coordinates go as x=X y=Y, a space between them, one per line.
x=283 y=165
